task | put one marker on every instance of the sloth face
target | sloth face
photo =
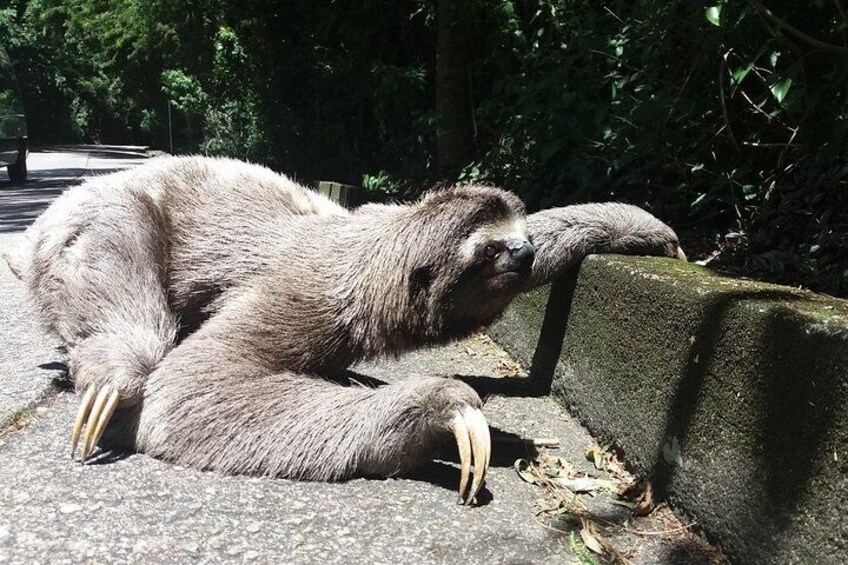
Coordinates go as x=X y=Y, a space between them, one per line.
x=506 y=265
x=499 y=257
x=496 y=261
x=471 y=255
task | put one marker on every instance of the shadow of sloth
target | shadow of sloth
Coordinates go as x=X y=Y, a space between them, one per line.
x=205 y=304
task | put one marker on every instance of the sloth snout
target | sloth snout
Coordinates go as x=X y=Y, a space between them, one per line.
x=521 y=254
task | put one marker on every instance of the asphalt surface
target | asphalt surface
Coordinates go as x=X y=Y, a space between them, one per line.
x=126 y=507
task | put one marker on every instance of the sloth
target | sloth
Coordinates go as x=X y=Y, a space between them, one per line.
x=206 y=304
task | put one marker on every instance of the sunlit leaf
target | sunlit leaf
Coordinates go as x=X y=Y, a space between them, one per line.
x=780 y=89
x=713 y=15
x=698 y=200
x=590 y=539
x=740 y=74
x=597 y=455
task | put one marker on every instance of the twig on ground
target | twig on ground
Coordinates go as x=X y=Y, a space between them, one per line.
x=659 y=532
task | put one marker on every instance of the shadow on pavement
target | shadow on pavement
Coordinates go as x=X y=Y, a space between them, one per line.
x=20 y=205
x=108 y=456
x=441 y=474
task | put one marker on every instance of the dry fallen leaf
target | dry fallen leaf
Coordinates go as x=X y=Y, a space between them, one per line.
x=591 y=538
x=598 y=456
x=556 y=467
x=584 y=485
x=524 y=468
x=642 y=495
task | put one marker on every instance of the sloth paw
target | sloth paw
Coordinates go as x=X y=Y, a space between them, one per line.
x=96 y=409
x=475 y=445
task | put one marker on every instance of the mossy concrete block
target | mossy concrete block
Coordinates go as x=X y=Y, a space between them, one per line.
x=731 y=395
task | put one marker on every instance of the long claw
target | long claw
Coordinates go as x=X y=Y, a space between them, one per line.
x=475 y=446
x=478 y=430
x=105 y=416
x=91 y=423
x=82 y=414
x=680 y=254
x=460 y=430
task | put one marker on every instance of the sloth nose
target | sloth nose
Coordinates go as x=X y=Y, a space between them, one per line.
x=522 y=253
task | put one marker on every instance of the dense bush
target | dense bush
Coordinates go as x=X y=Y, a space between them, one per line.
x=727 y=118
x=715 y=116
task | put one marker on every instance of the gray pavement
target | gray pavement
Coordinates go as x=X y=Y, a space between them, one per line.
x=127 y=507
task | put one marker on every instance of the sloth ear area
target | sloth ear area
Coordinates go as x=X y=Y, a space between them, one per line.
x=420 y=280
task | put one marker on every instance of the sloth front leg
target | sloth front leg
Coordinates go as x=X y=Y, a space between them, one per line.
x=209 y=407
x=563 y=236
x=109 y=368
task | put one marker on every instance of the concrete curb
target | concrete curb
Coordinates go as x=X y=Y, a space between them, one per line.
x=731 y=395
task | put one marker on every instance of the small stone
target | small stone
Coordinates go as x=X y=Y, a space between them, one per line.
x=69 y=508
x=251 y=555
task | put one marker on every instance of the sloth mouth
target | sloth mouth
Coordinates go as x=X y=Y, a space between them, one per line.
x=509 y=279
x=509 y=275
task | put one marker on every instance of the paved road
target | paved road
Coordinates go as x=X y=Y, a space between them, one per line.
x=131 y=508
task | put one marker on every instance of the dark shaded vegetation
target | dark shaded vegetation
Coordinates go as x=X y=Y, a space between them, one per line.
x=727 y=118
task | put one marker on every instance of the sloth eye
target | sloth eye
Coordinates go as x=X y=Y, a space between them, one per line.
x=491 y=251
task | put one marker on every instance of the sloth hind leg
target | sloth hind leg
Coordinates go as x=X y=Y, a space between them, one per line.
x=233 y=420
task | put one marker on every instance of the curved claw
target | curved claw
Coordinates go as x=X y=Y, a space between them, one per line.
x=680 y=254
x=82 y=414
x=474 y=442
x=460 y=431
x=91 y=422
x=96 y=415
x=105 y=416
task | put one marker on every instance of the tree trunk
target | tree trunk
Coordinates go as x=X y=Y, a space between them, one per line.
x=454 y=135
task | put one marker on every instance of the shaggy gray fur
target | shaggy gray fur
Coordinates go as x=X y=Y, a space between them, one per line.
x=217 y=296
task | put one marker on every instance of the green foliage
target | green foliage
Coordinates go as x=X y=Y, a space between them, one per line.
x=714 y=116
x=382 y=182
x=184 y=91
